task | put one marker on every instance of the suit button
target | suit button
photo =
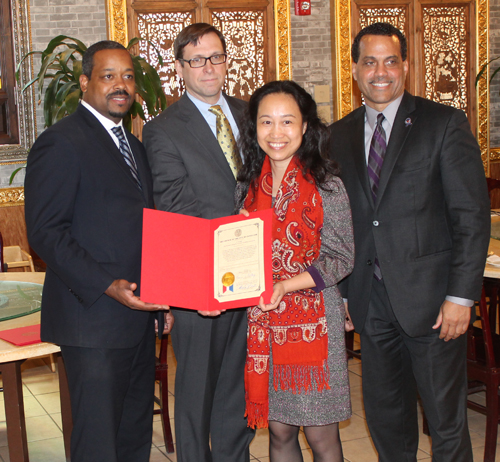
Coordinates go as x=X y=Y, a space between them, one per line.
x=375 y=223
x=368 y=262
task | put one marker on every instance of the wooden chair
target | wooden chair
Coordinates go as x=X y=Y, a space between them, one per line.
x=493 y=184
x=349 y=346
x=2 y=269
x=483 y=371
x=162 y=377
x=15 y=257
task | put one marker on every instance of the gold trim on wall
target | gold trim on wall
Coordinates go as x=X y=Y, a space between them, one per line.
x=11 y=196
x=341 y=27
x=116 y=18
x=283 y=40
x=483 y=86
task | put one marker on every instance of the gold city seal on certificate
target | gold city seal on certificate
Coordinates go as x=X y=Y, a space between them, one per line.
x=239 y=260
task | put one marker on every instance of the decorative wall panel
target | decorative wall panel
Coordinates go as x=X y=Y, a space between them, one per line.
x=244 y=33
x=395 y=16
x=446 y=55
x=160 y=29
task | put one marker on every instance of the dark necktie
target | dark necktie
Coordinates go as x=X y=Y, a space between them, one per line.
x=127 y=154
x=226 y=140
x=378 y=146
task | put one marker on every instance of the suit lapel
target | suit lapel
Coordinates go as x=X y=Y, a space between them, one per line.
x=142 y=166
x=199 y=130
x=403 y=124
x=359 y=154
x=238 y=113
x=104 y=138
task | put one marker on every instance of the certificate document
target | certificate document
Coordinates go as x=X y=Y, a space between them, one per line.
x=208 y=265
x=238 y=260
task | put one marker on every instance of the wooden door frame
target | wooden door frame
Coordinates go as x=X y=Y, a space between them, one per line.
x=342 y=72
x=116 y=17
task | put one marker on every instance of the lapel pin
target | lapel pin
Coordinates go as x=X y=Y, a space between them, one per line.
x=408 y=122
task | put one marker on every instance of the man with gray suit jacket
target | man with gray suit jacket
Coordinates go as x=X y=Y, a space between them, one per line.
x=420 y=208
x=194 y=170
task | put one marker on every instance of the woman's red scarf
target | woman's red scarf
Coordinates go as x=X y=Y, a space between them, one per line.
x=297 y=328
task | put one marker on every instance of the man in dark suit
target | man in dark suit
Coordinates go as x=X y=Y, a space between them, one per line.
x=421 y=227
x=194 y=175
x=87 y=183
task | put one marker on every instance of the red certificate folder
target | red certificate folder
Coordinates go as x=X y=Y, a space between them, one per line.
x=178 y=260
x=22 y=335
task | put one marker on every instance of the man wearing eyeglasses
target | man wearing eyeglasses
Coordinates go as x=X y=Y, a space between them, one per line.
x=194 y=171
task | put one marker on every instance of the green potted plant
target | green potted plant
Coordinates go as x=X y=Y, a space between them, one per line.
x=62 y=66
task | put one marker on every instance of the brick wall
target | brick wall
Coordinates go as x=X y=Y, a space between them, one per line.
x=311 y=47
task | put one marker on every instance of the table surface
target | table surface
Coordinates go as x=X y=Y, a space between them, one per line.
x=10 y=352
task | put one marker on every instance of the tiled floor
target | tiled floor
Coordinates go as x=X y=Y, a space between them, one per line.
x=43 y=422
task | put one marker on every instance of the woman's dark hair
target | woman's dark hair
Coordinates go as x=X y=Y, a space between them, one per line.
x=313 y=151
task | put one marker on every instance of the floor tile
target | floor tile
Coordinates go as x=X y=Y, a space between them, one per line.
x=359 y=450
x=51 y=402
x=259 y=447
x=41 y=427
x=353 y=429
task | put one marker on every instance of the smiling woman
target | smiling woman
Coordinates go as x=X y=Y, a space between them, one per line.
x=289 y=381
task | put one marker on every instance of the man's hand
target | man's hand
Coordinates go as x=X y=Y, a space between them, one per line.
x=211 y=314
x=349 y=325
x=453 y=320
x=123 y=291
x=168 y=324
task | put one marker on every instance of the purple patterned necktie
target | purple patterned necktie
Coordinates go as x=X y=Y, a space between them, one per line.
x=378 y=146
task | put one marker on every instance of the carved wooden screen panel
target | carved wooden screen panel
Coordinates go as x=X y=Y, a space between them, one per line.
x=441 y=47
x=246 y=46
x=446 y=55
x=160 y=29
x=247 y=26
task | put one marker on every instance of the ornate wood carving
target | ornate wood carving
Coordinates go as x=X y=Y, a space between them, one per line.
x=118 y=28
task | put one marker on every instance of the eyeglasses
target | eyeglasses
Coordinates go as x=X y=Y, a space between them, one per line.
x=200 y=62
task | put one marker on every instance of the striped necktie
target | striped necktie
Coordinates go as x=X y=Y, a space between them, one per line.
x=378 y=147
x=127 y=154
x=226 y=140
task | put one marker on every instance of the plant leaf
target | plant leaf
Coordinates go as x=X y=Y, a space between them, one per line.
x=15 y=172
x=64 y=90
x=72 y=100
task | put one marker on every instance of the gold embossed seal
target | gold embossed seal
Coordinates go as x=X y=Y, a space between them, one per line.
x=228 y=279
